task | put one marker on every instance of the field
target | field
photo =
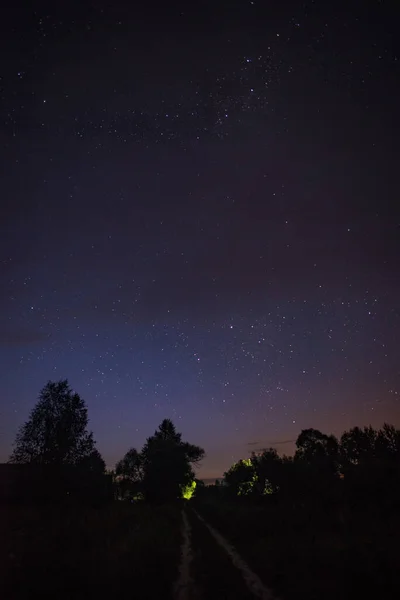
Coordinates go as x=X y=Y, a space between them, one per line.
x=89 y=553
x=136 y=549
x=301 y=555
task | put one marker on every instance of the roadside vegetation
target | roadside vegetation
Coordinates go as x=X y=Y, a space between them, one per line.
x=84 y=552
x=324 y=523
x=71 y=530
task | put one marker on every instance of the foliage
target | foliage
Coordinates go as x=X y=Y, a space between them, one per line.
x=309 y=523
x=267 y=467
x=240 y=478
x=94 y=462
x=371 y=467
x=163 y=470
x=325 y=472
x=188 y=490
x=129 y=475
x=130 y=466
x=369 y=448
x=316 y=448
x=56 y=431
x=167 y=463
x=258 y=475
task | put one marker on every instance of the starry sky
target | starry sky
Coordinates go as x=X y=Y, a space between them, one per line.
x=200 y=218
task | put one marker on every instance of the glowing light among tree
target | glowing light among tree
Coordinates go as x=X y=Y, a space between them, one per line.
x=188 y=490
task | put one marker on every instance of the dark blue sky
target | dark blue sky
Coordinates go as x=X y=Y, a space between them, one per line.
x=201 y=220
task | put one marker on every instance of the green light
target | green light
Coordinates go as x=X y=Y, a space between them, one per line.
x=188 y=490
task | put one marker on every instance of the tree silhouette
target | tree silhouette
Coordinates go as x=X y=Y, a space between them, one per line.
x=268 y=468
x=371 y=466
x=129 y=471
x=315 y=448
x=327 y=485
x=388 y=443
x=167 y=464
x=241 y=478
x=317 y=463
x=130 y=466
x=358 y=446
x=370 y=446
x=56 y=431
x=94 y=463
x=261 y=475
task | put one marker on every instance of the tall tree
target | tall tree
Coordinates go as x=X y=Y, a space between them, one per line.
x=316 y=465
x=371 y=467
x=358 y=446
x=241 y=477
x=130 y=466
x=56 y=431
x=167 y=464
x=268 y=468
x=388 y=443
x=318 y=449
x=129 y=472
x=370 y=446
x=94 y=463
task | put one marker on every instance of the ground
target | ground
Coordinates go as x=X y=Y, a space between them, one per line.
x=75 y=553
x=303 y=555
x=190 y=552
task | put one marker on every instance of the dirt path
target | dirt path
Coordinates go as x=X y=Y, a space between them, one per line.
x=211 y=569
x=185 y=586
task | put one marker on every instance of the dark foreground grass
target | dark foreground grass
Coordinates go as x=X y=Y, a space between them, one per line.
x=79 y=553
x=301 y=557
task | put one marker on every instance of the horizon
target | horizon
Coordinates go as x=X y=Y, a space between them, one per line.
x=250 y=447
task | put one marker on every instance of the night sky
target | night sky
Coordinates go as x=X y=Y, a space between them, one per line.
x=200 y=218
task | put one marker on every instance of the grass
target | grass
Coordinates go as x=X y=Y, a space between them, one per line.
x=84 y=553
x=302 y=556
x=134 y=549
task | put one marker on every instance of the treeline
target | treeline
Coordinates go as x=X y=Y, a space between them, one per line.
x=359 y=470
x=55 y=458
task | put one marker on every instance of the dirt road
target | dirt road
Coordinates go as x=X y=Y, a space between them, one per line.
x=211 y=568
